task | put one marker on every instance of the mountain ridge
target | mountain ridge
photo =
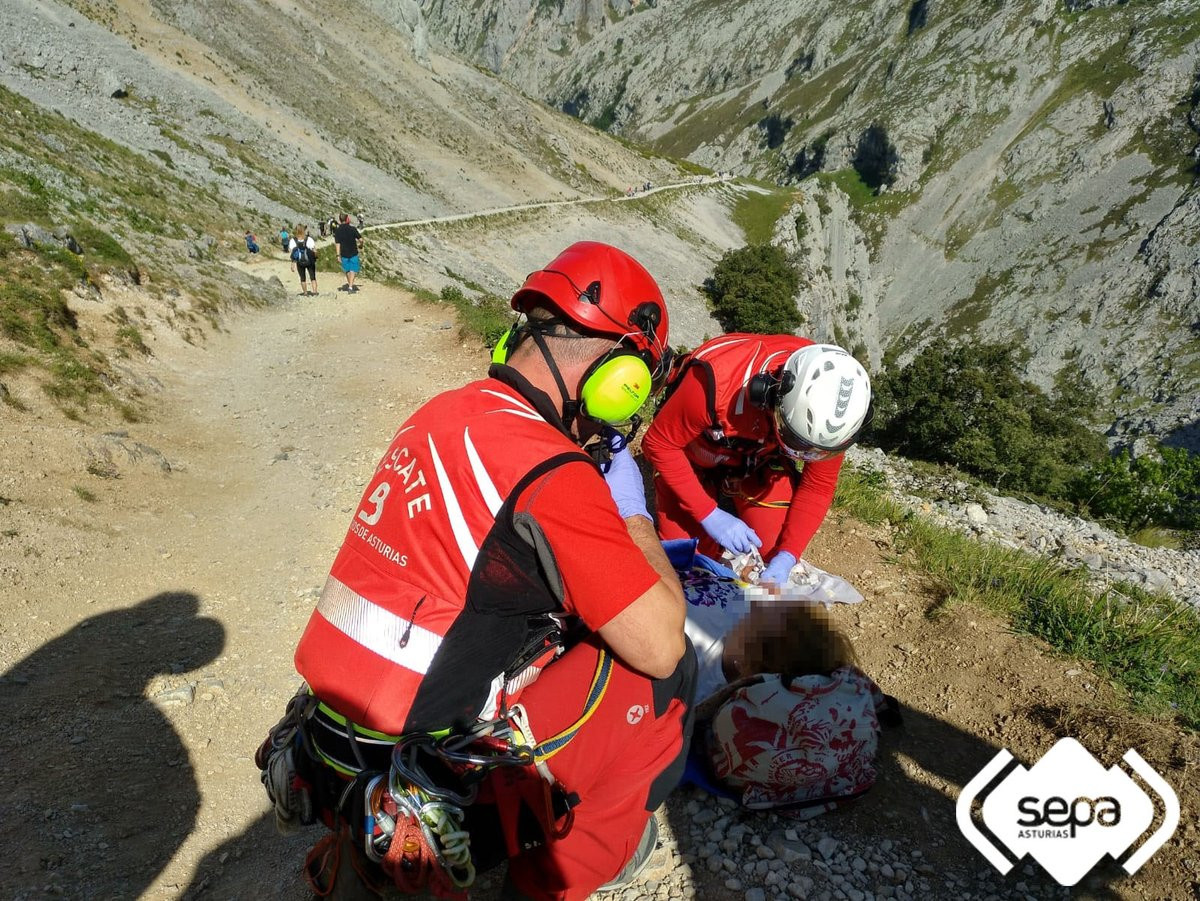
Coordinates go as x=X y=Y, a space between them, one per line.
x=1038 y=160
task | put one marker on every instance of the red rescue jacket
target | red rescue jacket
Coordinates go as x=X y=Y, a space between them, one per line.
x=739 y=433
x=435 y=602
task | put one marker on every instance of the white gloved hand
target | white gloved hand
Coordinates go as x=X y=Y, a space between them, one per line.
x=730 y=532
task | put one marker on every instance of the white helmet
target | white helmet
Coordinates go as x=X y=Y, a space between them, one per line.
x=825 y=406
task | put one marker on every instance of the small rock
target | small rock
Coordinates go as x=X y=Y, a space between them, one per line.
x=827 y=847
x=181 y=695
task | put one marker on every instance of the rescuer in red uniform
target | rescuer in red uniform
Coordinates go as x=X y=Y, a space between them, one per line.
x=494 y=574
x=759 y=422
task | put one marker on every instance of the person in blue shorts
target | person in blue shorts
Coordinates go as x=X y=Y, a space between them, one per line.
x=347 y=239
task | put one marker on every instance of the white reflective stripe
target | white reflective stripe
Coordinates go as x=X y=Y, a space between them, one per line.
x=515 y=401
x=744 y=394
x=700 y=354
x=491 y=705
x=766 y=364
x=376 y=629
x=458 y=522
x=526 y=677
x=533 y=416
x=487 y=487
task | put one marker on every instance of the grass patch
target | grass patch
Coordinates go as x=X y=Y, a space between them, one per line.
x=487 y=317
x=967 y=314
x=83 y=494
x=1156 y=536
x=1149 y=645
x=871 y=211
x=756 y=214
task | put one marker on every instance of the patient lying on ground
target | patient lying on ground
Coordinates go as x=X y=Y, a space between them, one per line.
x=740 y=638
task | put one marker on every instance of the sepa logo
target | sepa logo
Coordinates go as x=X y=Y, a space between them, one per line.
x=1067 y=812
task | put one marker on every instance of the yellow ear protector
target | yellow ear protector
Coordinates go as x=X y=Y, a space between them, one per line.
x=617 y=384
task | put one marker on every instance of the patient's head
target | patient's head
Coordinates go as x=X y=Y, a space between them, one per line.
x=789 y=638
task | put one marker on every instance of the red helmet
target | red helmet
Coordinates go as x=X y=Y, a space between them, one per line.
x=604 y=291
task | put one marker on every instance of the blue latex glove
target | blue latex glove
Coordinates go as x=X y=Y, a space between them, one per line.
x=730 y=532
x=625 y=483
x=776 y=572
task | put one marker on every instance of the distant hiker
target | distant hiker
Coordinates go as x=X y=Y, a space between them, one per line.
x=331 y=225
x=284 y=238
x=759 y=422
x=303 y=252
x=469 y=618
x=347 y=239
x=359 y=217
x=251 y=243
x=321 y=227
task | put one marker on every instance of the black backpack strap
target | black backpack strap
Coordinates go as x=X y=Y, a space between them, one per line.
x=708 y=378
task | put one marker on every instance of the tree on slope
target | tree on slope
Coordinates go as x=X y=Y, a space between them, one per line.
x=753 y=289
x=967 y=405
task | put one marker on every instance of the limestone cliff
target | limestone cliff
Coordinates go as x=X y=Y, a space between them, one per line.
x=1021 y=171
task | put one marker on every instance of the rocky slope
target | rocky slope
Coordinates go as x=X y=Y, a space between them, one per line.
x=147 y=136
x=1036 y=160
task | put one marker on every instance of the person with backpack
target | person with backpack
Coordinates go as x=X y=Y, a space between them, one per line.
x=251 y=242
x=303 y=252
x=487 y=679
x=757 y=424
x=284 y=239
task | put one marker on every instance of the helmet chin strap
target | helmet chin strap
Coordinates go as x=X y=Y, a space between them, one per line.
x=599 y=450
x=570 y=406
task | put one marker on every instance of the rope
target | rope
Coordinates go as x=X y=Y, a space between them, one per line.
x=429 y=848
x=322 y=862
x=412 y=827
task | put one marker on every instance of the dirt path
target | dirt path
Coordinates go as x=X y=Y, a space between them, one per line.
x=150 y=618
x=270 y=431
x=548 y=204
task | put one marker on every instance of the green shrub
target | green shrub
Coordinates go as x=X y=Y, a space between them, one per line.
x=967 y=405
x=753 y=289
x=1136 y=492
x=487 y=317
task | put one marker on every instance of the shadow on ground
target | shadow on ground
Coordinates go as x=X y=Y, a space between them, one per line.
x=916 y=813
x=97 y=791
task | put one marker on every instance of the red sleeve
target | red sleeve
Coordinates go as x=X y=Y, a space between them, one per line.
x=602 y=570
x=810 y=503
x=682 y=420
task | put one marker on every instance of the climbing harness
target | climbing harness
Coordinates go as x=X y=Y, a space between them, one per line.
x=413 y=798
